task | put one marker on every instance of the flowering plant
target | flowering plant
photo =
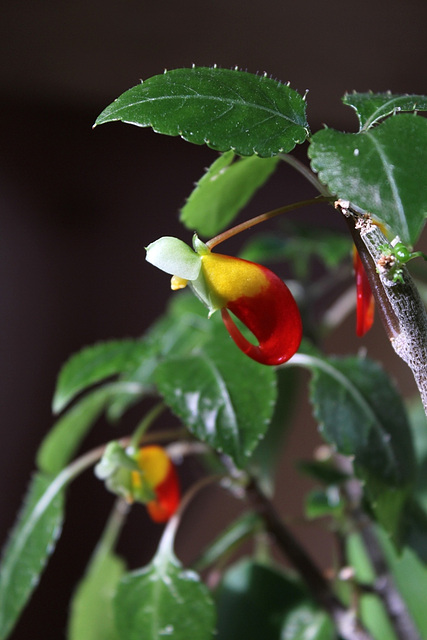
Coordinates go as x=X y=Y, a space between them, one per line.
x=229 y=402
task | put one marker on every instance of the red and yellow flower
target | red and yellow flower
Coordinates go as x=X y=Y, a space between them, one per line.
x=253 y=293
x=365 y=303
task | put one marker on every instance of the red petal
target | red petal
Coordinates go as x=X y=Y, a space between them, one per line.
x=167 y=497
x=272 y=316
x=365 y=300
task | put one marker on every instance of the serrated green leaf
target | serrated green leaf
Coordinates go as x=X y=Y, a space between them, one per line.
x=93 y=364
x=31 y=542
x=382 y=171
x=224 y=109
x=208 y=392
x=372 y=107
x=360 y=412
x=223 y=191
x=63 y=440
x=164 y=600
x=91 y=613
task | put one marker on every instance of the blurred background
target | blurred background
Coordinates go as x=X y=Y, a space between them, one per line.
x=78 y=205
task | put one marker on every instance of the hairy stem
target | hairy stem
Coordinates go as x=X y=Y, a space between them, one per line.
x=399 y=303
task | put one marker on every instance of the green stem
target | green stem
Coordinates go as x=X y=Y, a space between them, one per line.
x=307 y=173
x=145 y=424
x=213 y=242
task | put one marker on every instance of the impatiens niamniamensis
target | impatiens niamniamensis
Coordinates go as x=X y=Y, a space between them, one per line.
x=365 y=303
x=253 y=293
x=146 y=475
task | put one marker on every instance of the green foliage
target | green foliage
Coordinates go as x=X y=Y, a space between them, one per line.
x=206 y=390
x=224 y=190
x=30 y=544
x=221 y=108
x=91 y=614
x=360 y=412
x=256 y=601
x=163 y=599
x=373 y=107
x=93 y=364
x=381 y=171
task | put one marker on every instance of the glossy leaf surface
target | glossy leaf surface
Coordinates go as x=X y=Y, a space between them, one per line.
x=362 y=415
x=31 y=542
x=223 y=191
x=382 y=171
x=208 y=392
x=224 y=109
x=164 y=600
x=372 y=107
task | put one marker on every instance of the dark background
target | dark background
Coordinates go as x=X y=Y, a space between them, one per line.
x=78 y=206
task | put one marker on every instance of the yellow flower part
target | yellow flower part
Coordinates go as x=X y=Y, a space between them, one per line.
x=229 y=279
x=154 y=463
x=178 y=283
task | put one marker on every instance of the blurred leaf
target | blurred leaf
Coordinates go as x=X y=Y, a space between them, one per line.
x=256 y=601
x=372 y=610
x=410 y=576
x=323 y=471
x=93 y=364
x=31 y=542
x=92 y=616
x=360 y=412
x=220 y=406
x=299 y=246
x=418 y=424
x=245 y=526
x=63 y=440
x=323 y=502
x=372 y=107
x=267 y=455
x=307 y=623
x=223 y=191
x=163 y=599
x=415 y=529
x=222 y=108
x=382 y=171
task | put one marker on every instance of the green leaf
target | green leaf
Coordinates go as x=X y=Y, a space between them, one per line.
x=30 y=544
x=164 y=600
x=93 y=364
x=223 y=191
x=224 y=109
x=360 y=412
x=323 y=502
x=91 y=614
x=372 y=107
x=307 y=623
x=244 y=527
x=382 y=171
x=410 y=577
x=63 y=440
x=220 y=406
x=299 y=245
x=372 y=610
x=256 y=601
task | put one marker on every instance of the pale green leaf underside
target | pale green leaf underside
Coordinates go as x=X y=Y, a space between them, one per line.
x=223 y=191
x=31 y=542
x=382 y=171
x=222 y=108
x=372 y=107
x=164 y=600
